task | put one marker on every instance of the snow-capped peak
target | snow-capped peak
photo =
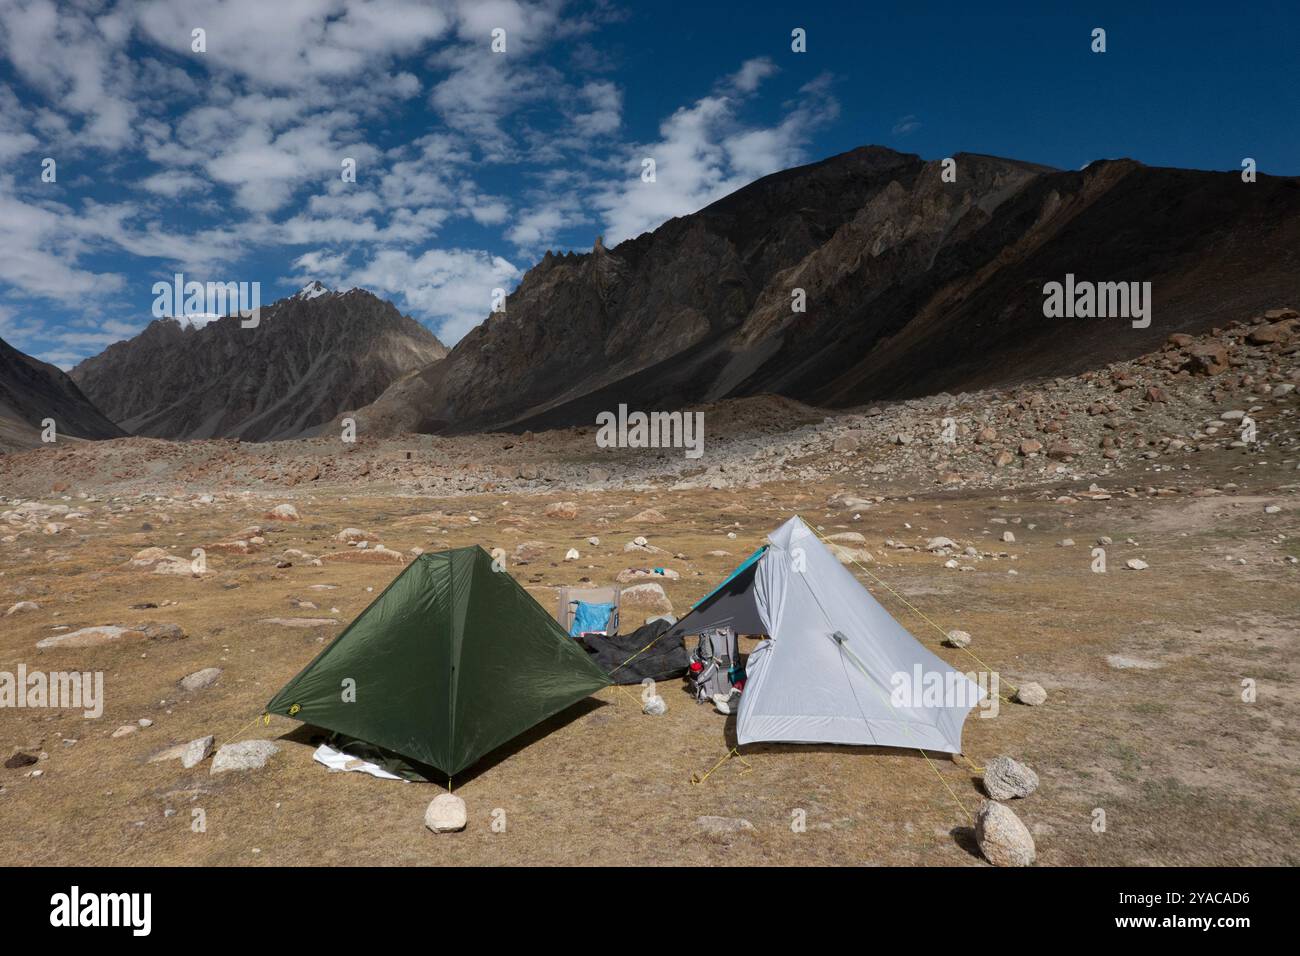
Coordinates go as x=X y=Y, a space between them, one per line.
x=194 y=320
x=312 y=290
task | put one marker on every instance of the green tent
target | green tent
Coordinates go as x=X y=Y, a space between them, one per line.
x=452 y=660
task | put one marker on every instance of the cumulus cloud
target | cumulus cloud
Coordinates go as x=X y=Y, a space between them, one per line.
x=295 y=44
x=449 y=289
x=228 y=162
x=78 y=58
x=751 y=74
x=706 y=151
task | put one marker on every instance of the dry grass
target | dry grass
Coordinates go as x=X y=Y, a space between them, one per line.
x=1186 y=772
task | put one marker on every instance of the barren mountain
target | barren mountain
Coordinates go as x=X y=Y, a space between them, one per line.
x=313 y=355
x=32 y=391
x=913 y=285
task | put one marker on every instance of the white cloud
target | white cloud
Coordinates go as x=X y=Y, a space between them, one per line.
x=173 y=183
x=706 y=151
x=76 y=58
x=905 y=125
x=751 y=74
x=540 y=225
x=449 y=288
x=605 y=109
x=296 y=44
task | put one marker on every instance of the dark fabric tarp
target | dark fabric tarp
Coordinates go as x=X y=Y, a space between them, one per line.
x=731 y=604
x=666 y=659
x=452 y=660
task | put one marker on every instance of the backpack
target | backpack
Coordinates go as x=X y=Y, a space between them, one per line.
x=714 y=665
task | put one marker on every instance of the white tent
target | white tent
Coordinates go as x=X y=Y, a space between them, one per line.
x=835 y=666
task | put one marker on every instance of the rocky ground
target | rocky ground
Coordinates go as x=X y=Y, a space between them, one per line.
x=988 y=523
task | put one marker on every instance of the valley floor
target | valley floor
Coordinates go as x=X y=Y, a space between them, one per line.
x=1144 y=672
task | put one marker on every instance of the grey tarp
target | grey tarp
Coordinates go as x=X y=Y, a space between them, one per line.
x=834 y=658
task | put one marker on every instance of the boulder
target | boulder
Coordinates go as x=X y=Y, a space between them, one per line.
x=283 y=513
x=527 y=551
x=245 y=755
x=1002 y=837
x=376 y=555
x=111 y=634
x=649 y=596
x=1062 y=450
x=298 y=621
x=201 y=679
x=1209 y=358
x=1268 y=334
x=1007 y=779
x=446 y=814
x=197 y=751
x=957 y=638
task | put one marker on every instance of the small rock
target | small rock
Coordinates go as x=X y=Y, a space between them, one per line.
x=1032 y=694
x=1120 y=662
x=1136 y=564
x=720 y=826
x=957 y=639
x=283 y=513
x=1007 y=779
x=446 y=814
x=572 y=555
x=125 y=730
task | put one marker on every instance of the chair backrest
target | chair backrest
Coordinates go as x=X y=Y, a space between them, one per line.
x=570 y=596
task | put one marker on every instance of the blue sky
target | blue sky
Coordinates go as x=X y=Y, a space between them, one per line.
x=225 y=164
